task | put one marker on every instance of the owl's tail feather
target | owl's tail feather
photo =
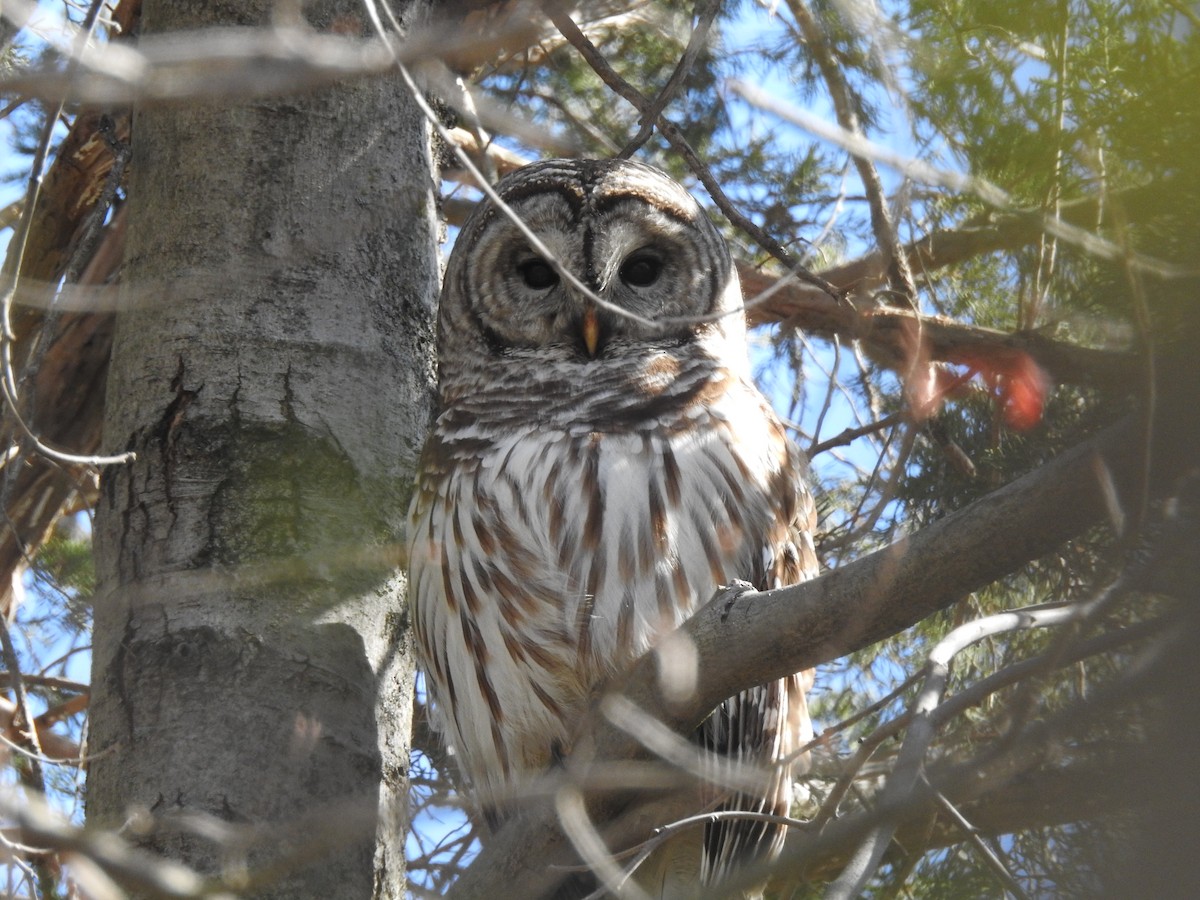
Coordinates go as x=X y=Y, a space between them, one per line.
x=673 y=871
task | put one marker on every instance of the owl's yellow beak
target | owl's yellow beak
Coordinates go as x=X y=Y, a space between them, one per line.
x=590 y=329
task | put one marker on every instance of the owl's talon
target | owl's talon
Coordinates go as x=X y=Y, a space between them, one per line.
x=733 y=592
x=558 y=754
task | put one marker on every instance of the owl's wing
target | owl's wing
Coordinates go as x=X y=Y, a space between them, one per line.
x=766 y=724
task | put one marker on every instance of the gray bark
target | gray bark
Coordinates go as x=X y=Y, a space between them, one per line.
x=271 y=369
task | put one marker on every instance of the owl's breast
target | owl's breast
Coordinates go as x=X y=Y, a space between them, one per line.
x=545 y=560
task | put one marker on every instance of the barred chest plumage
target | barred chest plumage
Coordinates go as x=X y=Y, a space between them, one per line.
x=545 y=558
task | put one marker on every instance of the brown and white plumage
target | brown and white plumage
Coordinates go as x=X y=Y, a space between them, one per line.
x=592 y=479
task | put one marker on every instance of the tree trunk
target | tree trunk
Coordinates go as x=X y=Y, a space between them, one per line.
x=271 y=369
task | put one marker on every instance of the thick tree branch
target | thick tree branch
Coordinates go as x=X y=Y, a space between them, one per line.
x=882 y=330
x=759 y=637
x=886 y=335
x=764 y=636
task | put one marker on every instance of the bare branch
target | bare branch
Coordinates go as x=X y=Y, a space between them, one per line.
x=849 y=435
x=706 y=12
x=922 y=729
x=989 y=856
x=1005 y=780
x=899 y=273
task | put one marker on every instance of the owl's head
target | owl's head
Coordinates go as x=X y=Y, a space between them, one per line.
x=630 y=234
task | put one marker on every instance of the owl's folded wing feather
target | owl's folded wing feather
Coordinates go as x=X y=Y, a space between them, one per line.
x=763 y=727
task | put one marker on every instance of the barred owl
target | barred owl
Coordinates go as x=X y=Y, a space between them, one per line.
x=596 y=472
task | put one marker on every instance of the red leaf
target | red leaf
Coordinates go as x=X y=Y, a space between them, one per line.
x=1016 y=382
x=1021 y=390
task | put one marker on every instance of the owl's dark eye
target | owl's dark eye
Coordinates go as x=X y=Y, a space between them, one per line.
x=538 y=274
x=641 y=270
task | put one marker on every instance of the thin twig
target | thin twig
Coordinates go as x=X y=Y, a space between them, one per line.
x=676 y=139
x=922 y=729
x=990 y=859
x=850 y=435
x=705 y=12
x=830 y=387
x=666 y=832
x=924 y=173
x=899 y=274
x=26 y=722
x=823 y=739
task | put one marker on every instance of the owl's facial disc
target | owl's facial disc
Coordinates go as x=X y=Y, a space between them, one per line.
x=638 y=242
